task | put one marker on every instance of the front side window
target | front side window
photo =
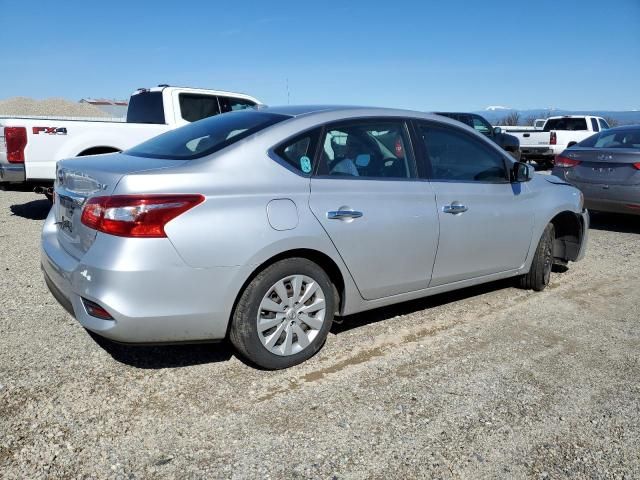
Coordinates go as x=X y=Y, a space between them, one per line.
x=371 y=149
x=481 y=126
x=207 y=136
x=603 y=124
x=231 y=104
x=194 y=107
x=456 y=156
x=299 y=152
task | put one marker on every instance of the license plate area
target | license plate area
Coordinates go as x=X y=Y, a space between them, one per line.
x=67 y=208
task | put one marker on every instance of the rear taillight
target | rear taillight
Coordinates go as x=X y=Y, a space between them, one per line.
x=636 y=166
x=136 y=215
x=553 y=138
x=565 y=162
x=15 y=139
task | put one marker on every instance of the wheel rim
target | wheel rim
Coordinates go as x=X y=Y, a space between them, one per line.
x=291 y=314
x=548 y=262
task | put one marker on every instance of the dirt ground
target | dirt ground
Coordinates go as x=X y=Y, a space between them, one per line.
x=488 y=382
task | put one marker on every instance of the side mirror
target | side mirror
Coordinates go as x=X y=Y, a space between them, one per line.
x=522 y=172
x=497 y=130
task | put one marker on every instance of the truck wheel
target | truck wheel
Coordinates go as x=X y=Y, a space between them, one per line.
x=284 y=315
x=539 y=274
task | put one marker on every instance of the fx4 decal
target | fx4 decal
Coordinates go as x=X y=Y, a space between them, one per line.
x=50 y=130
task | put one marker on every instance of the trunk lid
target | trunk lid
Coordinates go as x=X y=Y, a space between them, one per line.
x=79 y=179
x=612 y=166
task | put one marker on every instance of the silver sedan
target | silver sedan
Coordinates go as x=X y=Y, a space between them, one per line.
x=262 y=225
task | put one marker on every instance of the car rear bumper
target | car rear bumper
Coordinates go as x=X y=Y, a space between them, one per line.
x=611 y=198
x=170 y=302
x=12 y=173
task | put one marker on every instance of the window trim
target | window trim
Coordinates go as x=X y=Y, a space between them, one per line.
x=483 y=141
x=404 y=121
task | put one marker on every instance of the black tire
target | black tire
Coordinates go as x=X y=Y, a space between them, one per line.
x=540 y=272
x=244 y=329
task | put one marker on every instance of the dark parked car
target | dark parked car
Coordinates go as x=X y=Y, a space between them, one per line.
x=606 y=167
x=510 y=143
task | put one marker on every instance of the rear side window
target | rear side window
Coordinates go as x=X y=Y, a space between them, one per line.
x=231 y=104
x=146 y=107
x=206 y=136
x=299 y=152
x=455 y=156
x=594 y=125
x=565 y=124
x=194 y=107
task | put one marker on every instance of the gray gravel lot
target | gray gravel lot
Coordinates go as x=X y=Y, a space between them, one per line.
x=490 y=382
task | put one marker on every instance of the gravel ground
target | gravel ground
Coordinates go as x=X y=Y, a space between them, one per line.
x=21 y=106
x=489 y=382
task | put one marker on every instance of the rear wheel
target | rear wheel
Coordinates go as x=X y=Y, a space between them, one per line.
x=539 y=274
x=284 y=315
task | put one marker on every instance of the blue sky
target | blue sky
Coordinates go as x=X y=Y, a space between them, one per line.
x=427 y=55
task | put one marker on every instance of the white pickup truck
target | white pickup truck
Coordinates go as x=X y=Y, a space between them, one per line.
x=31 y=146
x=557 y=134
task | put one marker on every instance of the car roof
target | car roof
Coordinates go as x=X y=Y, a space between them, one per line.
x=344 y=111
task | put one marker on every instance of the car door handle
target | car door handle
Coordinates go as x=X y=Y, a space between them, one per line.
x=343 y=214
x=455 y=207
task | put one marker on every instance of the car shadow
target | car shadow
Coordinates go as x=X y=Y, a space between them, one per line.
x=615 y=222
x=164 y=356
x=33 y=210
x=385 y=313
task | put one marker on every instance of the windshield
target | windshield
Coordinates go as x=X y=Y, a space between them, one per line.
x=206 y=136
x=627 y=138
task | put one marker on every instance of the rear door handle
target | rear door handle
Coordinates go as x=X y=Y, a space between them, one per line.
x=343 y=214
x=454 y=208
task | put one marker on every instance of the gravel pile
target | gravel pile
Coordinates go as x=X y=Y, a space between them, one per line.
x=23 y=106
x=489 y=382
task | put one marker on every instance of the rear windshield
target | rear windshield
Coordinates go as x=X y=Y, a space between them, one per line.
x=206 y=136
x=146 y=107
x=627 y=138
x=565 y=124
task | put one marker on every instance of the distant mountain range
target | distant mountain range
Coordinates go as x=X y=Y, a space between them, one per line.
x=495 y=113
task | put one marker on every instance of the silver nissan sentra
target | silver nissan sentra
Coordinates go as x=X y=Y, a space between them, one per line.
x=261 y=225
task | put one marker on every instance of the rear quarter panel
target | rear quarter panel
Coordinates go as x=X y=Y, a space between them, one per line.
x=231 y=228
